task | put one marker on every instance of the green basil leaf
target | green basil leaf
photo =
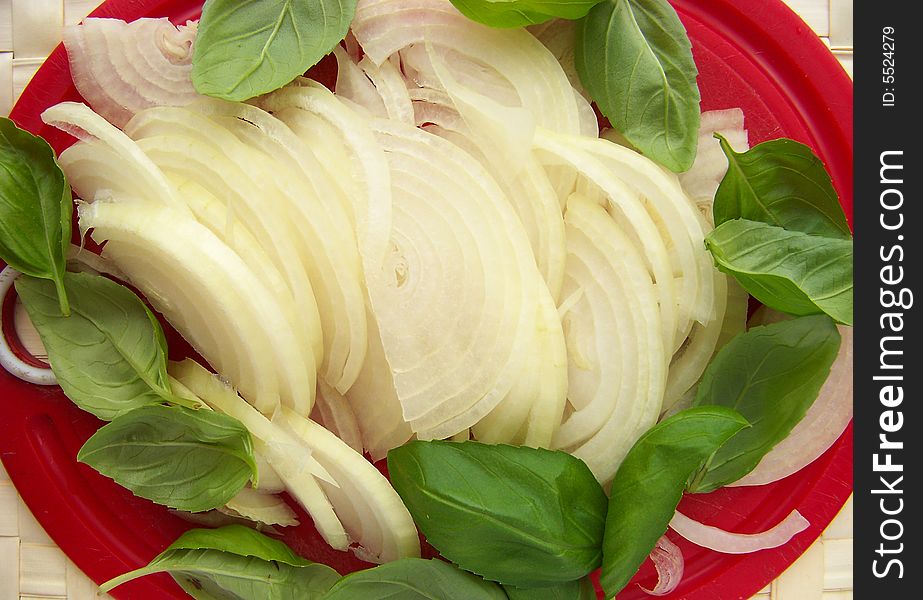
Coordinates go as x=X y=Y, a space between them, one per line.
x=241 y=540
x=193 y=460
x=414 y=579
x=635 y=60
x=650 y=482
x=789 y=271
x=245 y=48
x=519 y=13
x=216 y=575
x=520 y=516
x=582 y=589
x=109 y=355
x=35 y=208
x=771 y=375
x=782 y=183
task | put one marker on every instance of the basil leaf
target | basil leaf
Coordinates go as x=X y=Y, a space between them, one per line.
x=216 y=575
x=782 y=183
x=771 y=375
x=193 y=460
x=635 y=60
x=582 y=589
x=789 y=271
x=35 y=208
x=414 y=579
x=650 y=482
x=245 y=48
x=519 y=13
x=241 y=540
x=520 y=516
x=109 y=355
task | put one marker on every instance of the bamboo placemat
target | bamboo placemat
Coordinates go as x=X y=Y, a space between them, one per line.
x=32 y=567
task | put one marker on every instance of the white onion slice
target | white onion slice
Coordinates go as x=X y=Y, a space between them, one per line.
x=209 y=295
x=375 y=516
x=260 y=507
x=78 y=120
x=701 y=181
x=449 y=218
x=14 y=365
x=668 y=560
x=821 y=426
x=384 y=27
x=289 y=457
x=122 y=68
x=334 y=412
x=616 y=361
x=374 y=401
x=727 y=542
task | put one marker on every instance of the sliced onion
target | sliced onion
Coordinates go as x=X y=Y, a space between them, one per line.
x=360 y=159
x=122 y=68
x=375 y=403
x=633 y=219
x=124 y=159
x=371 y=511
x=209 y=295
x=727 y=542
x=333 y=411
x=385 y=27
x=14 y=365
x=821 y=426
x=702 y=179
x=260 y=507
x=616 y=361
x=451 y=224
x=288 y=456
x=668 y=560
x=353 y=84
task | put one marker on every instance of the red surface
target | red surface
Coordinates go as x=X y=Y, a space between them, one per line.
x=755 y=54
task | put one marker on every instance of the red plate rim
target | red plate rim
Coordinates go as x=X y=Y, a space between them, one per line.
x=768 y=40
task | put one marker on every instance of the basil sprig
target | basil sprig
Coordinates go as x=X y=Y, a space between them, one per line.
x=236 y=562
x=650 y=482
x=520 y=516
x=193 y=460
x=245 y=48
x=781 y=231
x=35 y=208
x=771 y=375
x=110 y=354
x=783 y=183
x=414 y=579
x=635 y=60
x=519 y=13
x=789 y=271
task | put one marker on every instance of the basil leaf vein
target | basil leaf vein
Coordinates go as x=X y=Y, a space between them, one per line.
x=193 y=460
x=35 y=208
x=109 y=355
x=519 y=13
x=783 y=183
x=517 y=515
x=635 y=60
x=245 y=48
x=415 y=579
x=649 y=485
x=789 y=271
x=771 y=375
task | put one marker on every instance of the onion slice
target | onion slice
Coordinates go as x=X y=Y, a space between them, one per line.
x=668 y=560
x=14 y=365
x=727 y=542
x=122 y=68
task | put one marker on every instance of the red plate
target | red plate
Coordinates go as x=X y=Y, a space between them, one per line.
x=755 y=54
